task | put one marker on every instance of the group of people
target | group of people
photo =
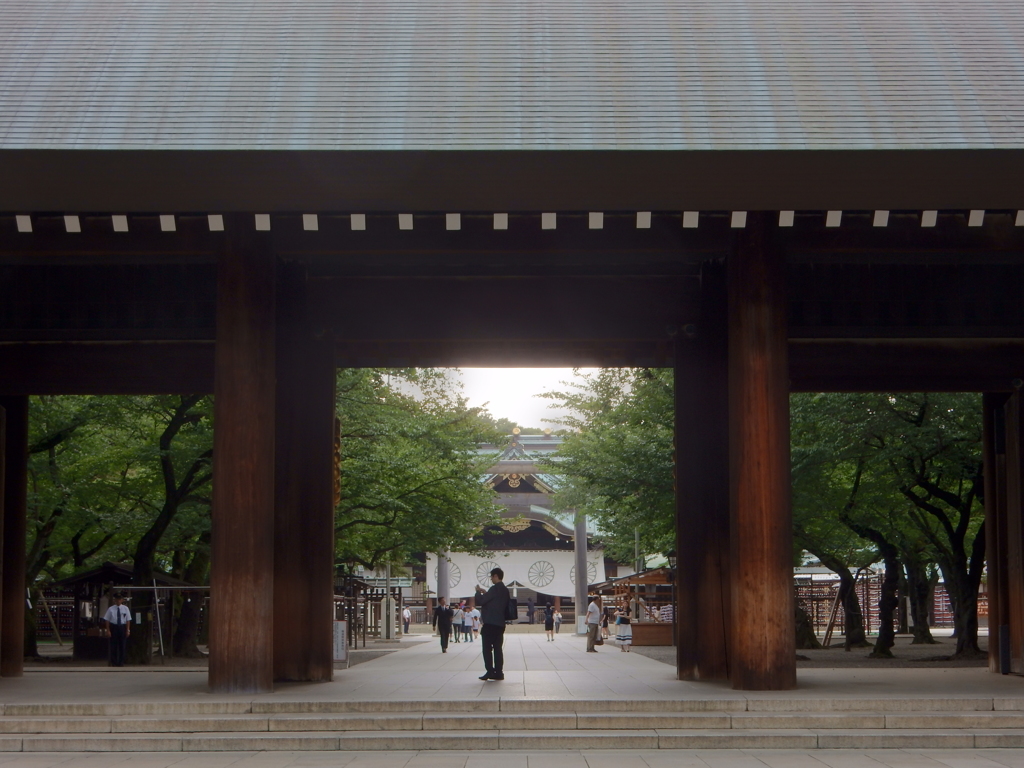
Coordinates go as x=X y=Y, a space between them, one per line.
x=597 y=625
x=486 y=620
x=455 y=622
x=552 y=622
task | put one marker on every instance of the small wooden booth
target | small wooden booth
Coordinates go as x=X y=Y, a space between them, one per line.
x=651 y=596
x=92 y=590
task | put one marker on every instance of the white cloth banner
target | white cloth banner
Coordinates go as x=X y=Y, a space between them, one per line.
x=551 y=572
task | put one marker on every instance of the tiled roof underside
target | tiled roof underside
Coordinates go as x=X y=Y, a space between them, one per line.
x=511 y=74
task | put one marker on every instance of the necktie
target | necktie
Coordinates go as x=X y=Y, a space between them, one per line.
x=118 y=609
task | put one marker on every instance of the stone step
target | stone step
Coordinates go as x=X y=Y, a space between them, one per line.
x=517 y=706
x=518 y=740
x=500 y=721
x=536 y=721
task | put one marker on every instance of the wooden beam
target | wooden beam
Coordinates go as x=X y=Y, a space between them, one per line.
x=507 y=352
x=235 y=180
x=488 y=308
x=815 y=365
x=702 y=489
x=12 y=608
x=304 y=510
x=130 y=368
x=762 y=623
x=242 y=573
x=906 y=365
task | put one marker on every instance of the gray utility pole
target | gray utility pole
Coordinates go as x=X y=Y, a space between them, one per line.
x=580 y=551
x=387 y=613
x=444 y=588
x=637 y=564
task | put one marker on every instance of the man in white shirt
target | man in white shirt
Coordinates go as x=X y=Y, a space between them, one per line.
x=406 y=618
x=119 y=621
x=593 y=622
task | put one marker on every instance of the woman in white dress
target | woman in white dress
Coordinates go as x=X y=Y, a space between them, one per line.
x=622 y=622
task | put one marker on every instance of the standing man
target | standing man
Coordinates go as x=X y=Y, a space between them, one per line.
x=593 y=622
x=119 y=621
x=442 y=622
x=493 y=607
x=531 y=608
x=406 y=618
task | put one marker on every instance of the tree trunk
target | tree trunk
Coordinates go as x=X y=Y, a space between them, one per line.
x=31 y=647
x=887 y=603
x=186 y=633
x=902 y=612
x=140 y=642
x=963 y=599
x=806 y=639
x=853 y=617
x=919 y=589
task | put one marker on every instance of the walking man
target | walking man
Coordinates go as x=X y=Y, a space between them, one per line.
x=442 y=622
x=119 y=621
x=593 y=622
x=493 y=607
x=406 y=618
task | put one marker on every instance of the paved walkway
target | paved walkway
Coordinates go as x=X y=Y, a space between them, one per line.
x=662 y=758
x=534 y=670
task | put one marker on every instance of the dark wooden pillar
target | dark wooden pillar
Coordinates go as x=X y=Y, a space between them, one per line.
x=242 y=561
x=304 y=522
x=702 y=488
x=994 y=452
x=1009 y=555
x=762 y=642
x=15 y=492
x=3 y=500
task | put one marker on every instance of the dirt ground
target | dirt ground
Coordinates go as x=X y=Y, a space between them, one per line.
x=906 y=655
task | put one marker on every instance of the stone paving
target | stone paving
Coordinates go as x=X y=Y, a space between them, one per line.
x=663 y=758
x=536 y=672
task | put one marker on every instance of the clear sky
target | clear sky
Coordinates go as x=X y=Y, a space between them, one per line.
x=510 y=392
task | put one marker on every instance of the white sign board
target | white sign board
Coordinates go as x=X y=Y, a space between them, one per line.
x=341 y=641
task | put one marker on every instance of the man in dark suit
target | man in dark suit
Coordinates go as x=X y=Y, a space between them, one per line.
x=442 y=622
x=493 y=604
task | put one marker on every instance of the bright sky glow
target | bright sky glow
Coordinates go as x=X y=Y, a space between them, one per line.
x=510 y=392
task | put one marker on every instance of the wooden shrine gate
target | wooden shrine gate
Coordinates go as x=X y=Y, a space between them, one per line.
x=270 y=314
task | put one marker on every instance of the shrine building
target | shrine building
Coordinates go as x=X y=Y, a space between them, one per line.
x=537 y=548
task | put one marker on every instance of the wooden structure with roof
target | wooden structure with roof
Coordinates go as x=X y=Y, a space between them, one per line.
x=92 y=590
x=769 y=198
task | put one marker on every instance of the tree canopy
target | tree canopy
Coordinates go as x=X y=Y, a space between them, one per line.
x=411 y=477
x=901 y=471
x=127 y=479
x=616 y=464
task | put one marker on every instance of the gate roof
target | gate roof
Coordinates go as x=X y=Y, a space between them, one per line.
x=683 y=78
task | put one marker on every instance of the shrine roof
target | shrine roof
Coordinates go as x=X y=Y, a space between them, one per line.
x=524 y=75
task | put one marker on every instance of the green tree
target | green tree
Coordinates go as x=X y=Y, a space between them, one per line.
x=616 y=464
x=910 y=465
x=175 y=438
x=411 y=477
